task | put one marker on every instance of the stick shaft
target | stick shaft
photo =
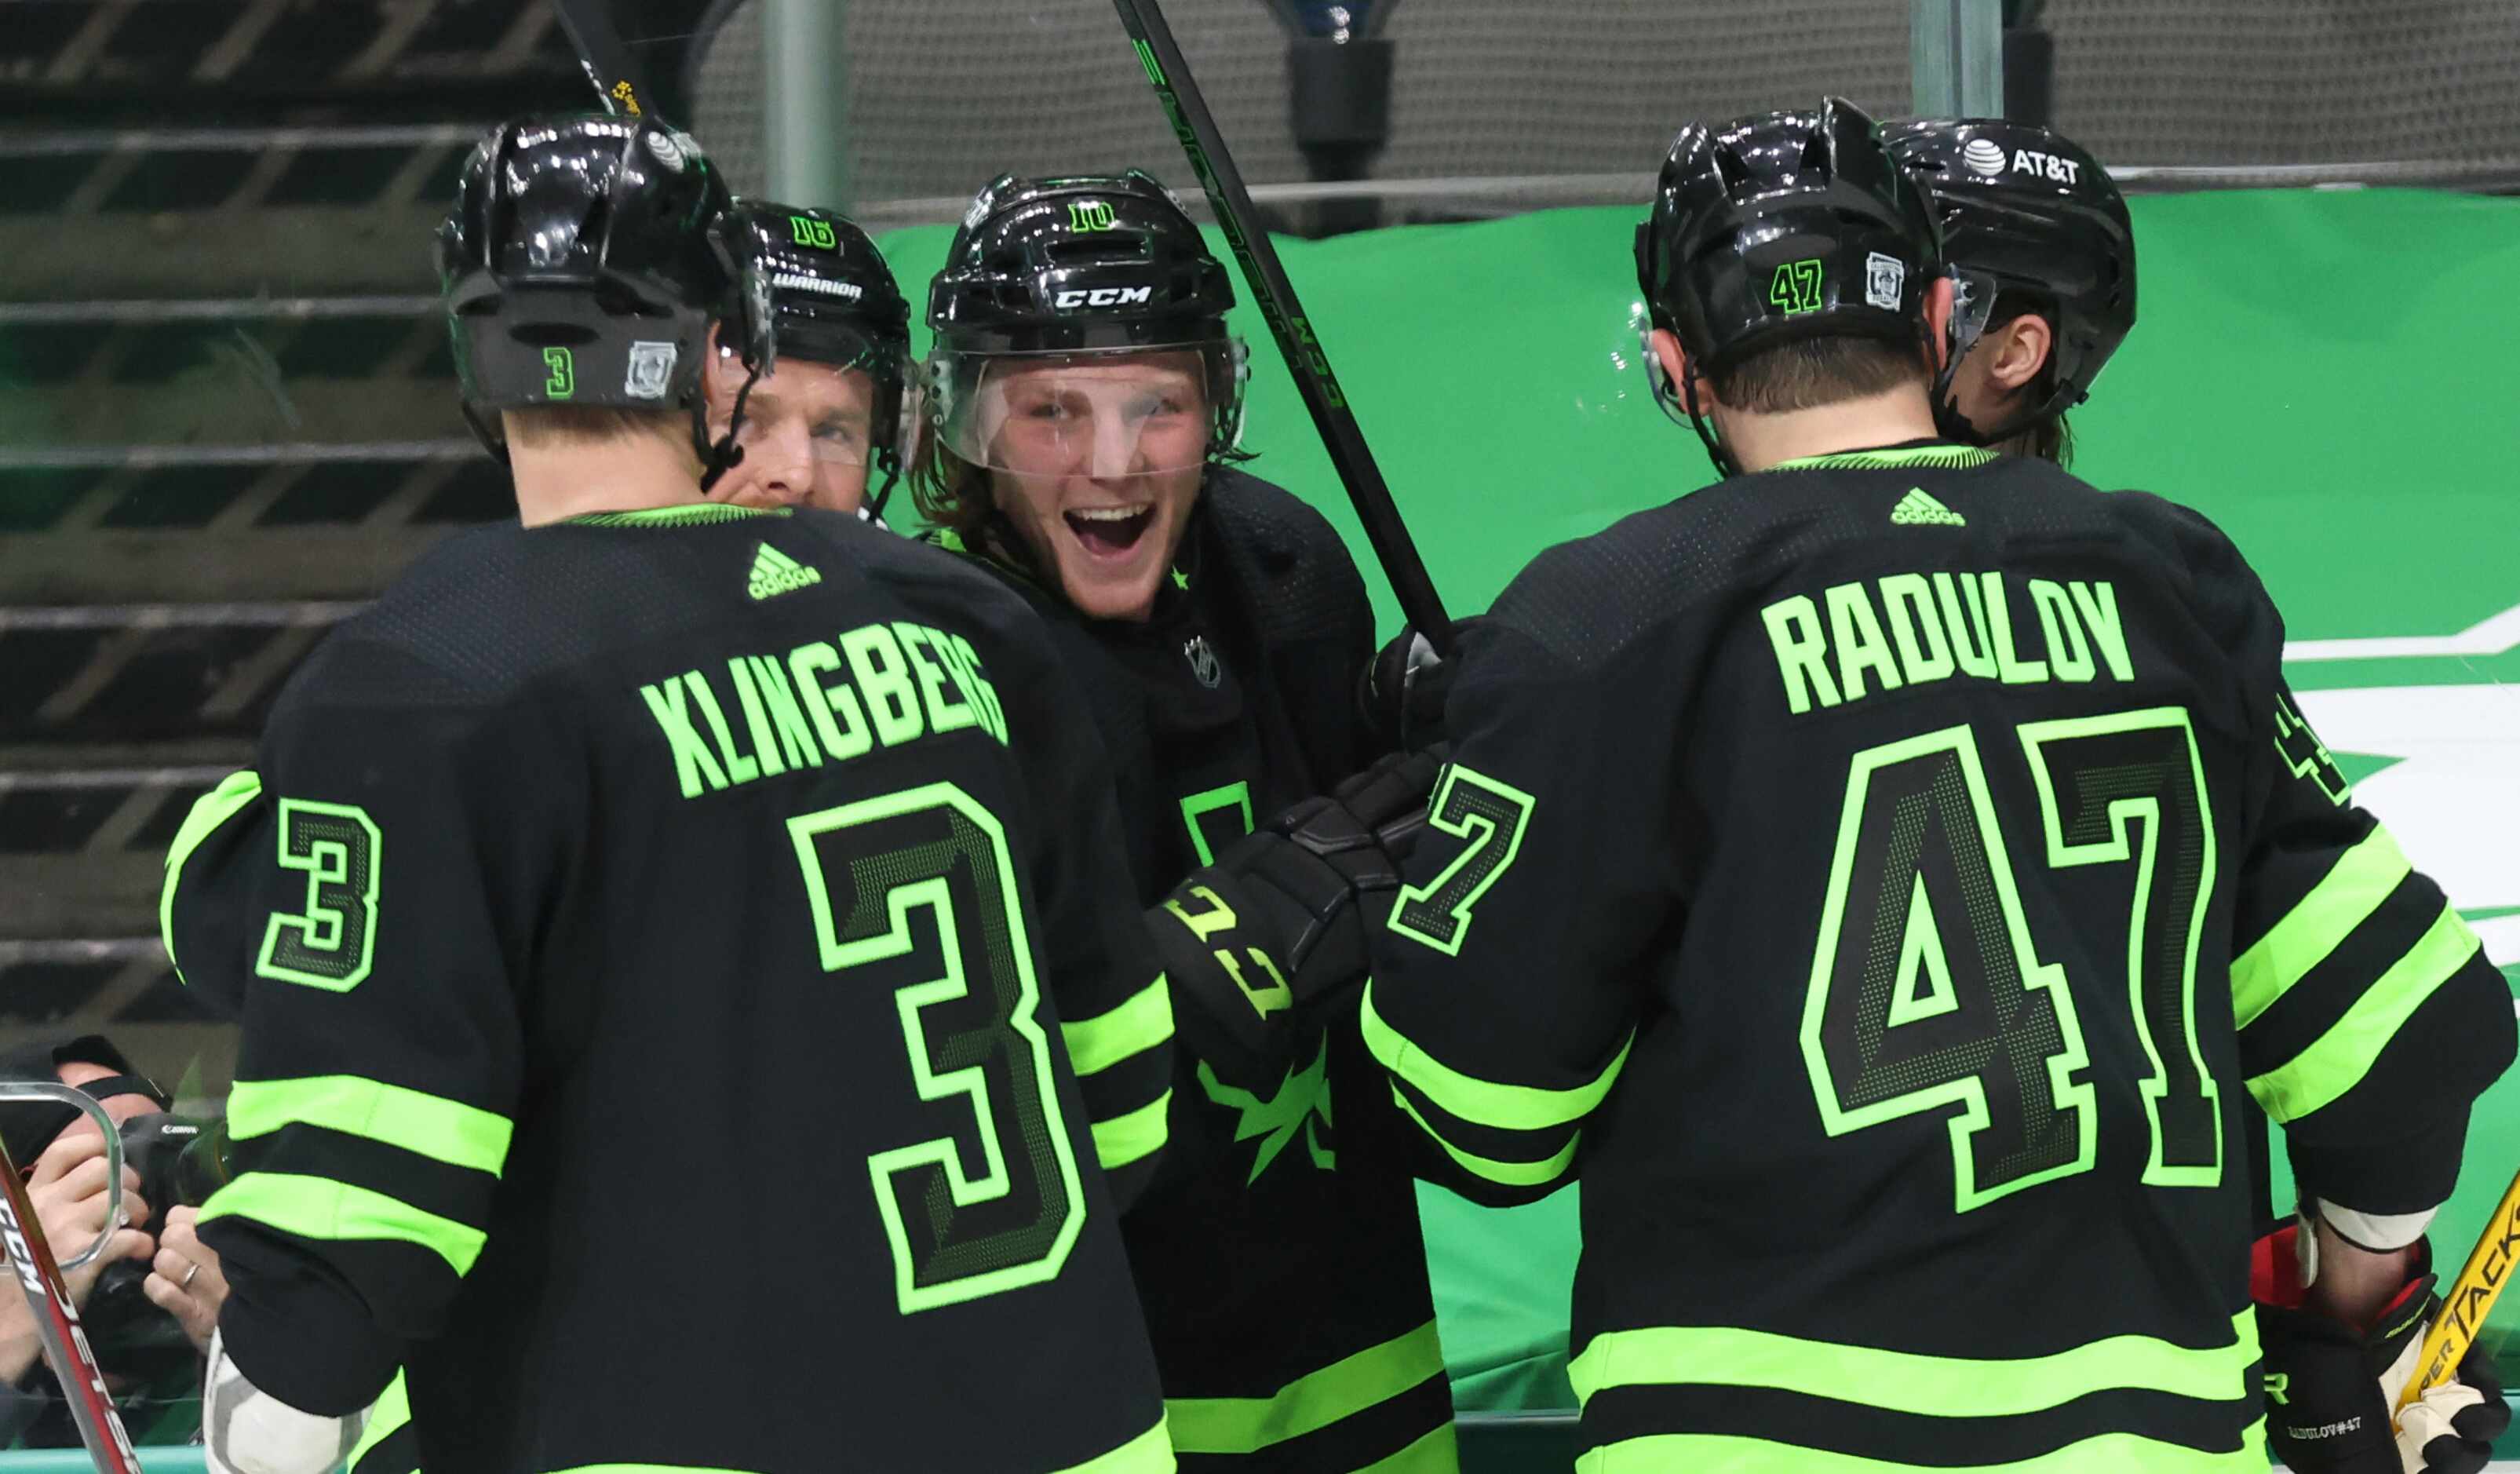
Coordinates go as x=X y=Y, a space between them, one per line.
x=1170 y=75
x=2468 y=1300
x=609 y=65
x=57 y=1327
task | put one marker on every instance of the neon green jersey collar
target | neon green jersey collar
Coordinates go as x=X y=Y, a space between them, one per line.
x=673 y=517
x=1945 y=456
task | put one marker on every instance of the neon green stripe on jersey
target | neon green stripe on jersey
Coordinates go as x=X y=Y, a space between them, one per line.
x=2344 y=899
x=1142 y=1022
x=1341 y=1390
x=1132 y=1135
x=1437 y=1452
x=1482 y=1103
x=319 y=1208
x=446 y=1131
x=1150 y=1453
x=2114 y=1453
x=1508 y=1174
x=2338 y=1059
x=390 y=1416
x=210 y=811
x=1905 y=1382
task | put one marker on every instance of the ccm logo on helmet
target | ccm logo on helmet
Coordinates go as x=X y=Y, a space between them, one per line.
x=2045 y=166
x=1106 y=296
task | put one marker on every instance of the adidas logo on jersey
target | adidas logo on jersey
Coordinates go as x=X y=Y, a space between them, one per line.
x=1917 y=509
x=774 y=574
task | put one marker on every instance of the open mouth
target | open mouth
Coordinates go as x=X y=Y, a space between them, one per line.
x=1110 y=531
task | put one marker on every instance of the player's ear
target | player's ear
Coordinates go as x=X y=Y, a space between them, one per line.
x=2022 y=351
x=1675 y=362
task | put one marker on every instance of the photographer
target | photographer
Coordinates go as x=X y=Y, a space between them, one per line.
x=150 y=1299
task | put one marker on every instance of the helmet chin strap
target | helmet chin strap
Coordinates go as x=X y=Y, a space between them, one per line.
x=1679 y=404
x=721 y=454
x=1727 y=464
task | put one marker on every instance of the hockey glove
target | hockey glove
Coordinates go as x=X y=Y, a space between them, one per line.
x=1400 y=693
x=2330 y=1388
x=1258 y=944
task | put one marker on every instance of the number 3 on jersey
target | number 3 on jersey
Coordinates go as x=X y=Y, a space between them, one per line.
x=956 y=1233
x=1928 y=992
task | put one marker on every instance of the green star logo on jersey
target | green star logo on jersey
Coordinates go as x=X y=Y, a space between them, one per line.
x=1302 y=1104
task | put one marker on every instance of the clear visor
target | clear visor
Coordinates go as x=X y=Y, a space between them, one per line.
x=1106 y=415
x=1973 y=304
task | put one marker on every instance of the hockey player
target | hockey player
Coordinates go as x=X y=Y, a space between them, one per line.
x=1881 y=875
x=832 y=404
x=581 y=870
x=1087 y=399
x=2042 y=252
x=2043 y=258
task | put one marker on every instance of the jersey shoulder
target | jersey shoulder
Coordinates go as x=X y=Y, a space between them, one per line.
x=1299 y=577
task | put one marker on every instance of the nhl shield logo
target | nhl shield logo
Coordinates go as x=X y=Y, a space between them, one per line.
x=1203 y=664
x=651 y=369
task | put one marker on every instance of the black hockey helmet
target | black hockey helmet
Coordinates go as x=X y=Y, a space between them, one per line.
x=1074 y=268
x=576 y=269
x=2031 y=222
x=1780 y=226
x=814 y=286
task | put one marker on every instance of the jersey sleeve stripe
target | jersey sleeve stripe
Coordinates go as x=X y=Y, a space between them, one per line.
x=1341 y=1390
x=2337 y=1059
x=1133 y=1136
x=1507 y=1107
x=327 y=1211
x=1144 y=1022
x=231 y=797
x=2353 y=889
x=2117 y=1452
x=1504 y=1173
x=1150 y=1453
x=390 y=1415
x=1904 y=1381
x=432 y=1126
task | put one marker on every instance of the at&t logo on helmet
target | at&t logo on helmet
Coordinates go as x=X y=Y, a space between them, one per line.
x=2048 y=166
x=1983 y=155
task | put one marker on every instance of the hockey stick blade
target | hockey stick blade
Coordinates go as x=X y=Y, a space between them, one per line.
x=58 y=1330
x=1170 y=75
x=2469 y=1299
x=609 y=65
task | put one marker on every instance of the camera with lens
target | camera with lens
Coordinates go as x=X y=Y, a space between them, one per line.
x=181 y=1160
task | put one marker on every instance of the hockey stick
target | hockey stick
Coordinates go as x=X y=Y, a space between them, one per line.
x=606 y=56
x=2470 y=1297
x=48 y=1295
x=1275 y=297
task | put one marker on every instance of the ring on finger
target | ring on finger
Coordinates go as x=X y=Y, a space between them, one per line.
x=186 y=1282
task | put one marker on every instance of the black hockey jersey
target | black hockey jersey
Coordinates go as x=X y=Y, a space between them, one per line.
x=1281 y=1267
x=1883 y=880
x=684 y=1004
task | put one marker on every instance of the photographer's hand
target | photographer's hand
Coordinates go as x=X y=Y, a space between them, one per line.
x=68 y=1187
x=185 y=1280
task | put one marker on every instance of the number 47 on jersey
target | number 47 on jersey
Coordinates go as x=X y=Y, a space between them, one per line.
x=1927 y=990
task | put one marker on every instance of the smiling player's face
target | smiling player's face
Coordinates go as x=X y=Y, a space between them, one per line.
x=1097 y=463
x=806 y=434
